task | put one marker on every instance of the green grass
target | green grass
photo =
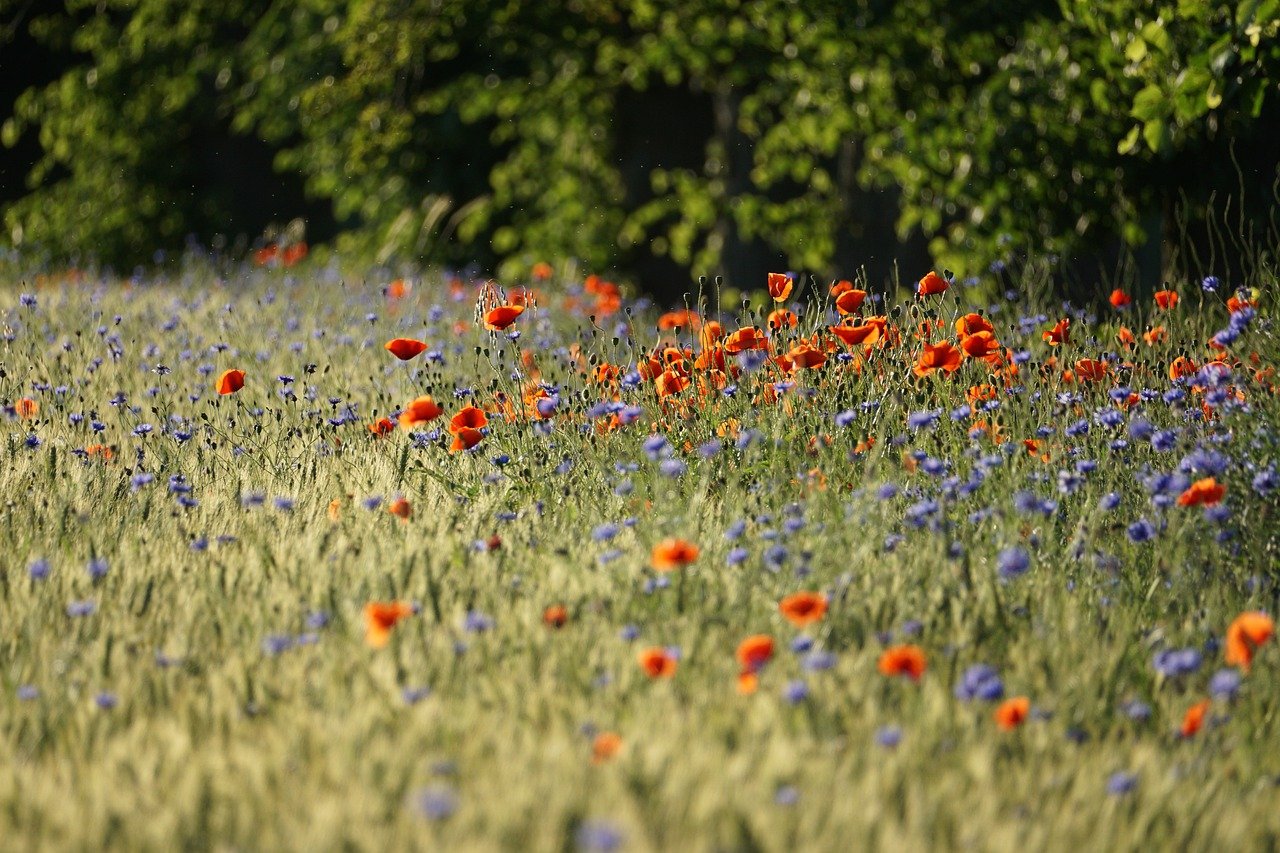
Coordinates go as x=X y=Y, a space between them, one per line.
x=218 y=742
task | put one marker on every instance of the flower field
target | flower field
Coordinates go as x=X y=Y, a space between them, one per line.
x=299 y=560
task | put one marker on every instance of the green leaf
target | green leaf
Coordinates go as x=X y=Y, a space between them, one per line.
x=1130 y=141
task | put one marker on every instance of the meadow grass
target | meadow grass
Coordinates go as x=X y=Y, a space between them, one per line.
x=184 y=642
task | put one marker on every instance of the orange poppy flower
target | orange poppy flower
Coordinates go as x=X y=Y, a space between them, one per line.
x=671 y=554
x=1154 y=335
x=542 y=271
x=805 y=356
x=1247 y=632
x=398 y=289
x=850 y=300
x=1206 y=492
x=1167 y=299
x=980 y=345
x=293 y=253
x=803 y=608
x=380 y=617
x=680 y=319
x=841 y=286
x=1194 y=718
x=421 y=411
x=780 y=285
x=605 y=746
x=1091 y=370
x=755 y=651
x=405 y=348
x=711 y=332
x=973 y=323
x=657 y=662
x=26 y=408
x=101 y=450
x=266 y=254
x=1012 y=712
x=335 y=510
x=748 y=682
x=670 y=382
x=1119 y=298
x=1125 y=337
x=1060 y=333
x=931 y=284
x=905 y=660
x=858 y=334
x=555 y=616
x=465 y=439
x=1237 y=303
x=382 y=426
x=498 y=319
x=742 y=340
x=468 y=418
x=400 y=508
x=230 y=381
x=940 y=356
x=781 y=318
x=1181 y=366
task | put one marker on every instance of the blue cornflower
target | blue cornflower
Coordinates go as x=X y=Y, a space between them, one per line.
x=477 y=622
x=82 y=608
x=38 y=569
x=437 y=802
x=1121 y=782
x=97 y=568
x=889 y=736
x=1173 y=663
x=1225 y=684
x=796 y=691
x=980 y=681
x=1013 y=562
x=597 y=836
x=1141 y=531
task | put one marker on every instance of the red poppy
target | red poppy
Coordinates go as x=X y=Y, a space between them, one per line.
x=859 y=334
x=1060 y=333
x=293 y=253
x=605 y=746
x=380 y=617
x=742 y=340
x=1247 y=632
x=1193 y=720
x=1180 y=367
x=754 y=652
x=1238 y=303
x=405 y=348
x=680 y=319
x=465 y=439
x=805 y=356
x=421 y=411
x=803 y=608
x=498 y=319
x=980 y=345
x=781 y=318
x=940 y=356
x=382 y=426
x=1167 y=299
x=468 y=418
x=1206 y=492
x=266 y=254
x=850 y=300
x=1119 y=299
x=905 y=660
x=973 y=323
x=400 y=508
x=230 y=381
x=780 y=285
x=26 y=408
x=1012 y=712
x=931 y=285
x=670 y=382
x=555 y=616
x=657 y=662
x=398 y=289
x=1091 y=370
x=671 y=554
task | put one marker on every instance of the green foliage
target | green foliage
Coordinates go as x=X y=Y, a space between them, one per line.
x=499 y=131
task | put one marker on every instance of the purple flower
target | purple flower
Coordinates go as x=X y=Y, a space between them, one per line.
x=97 y=568
x=597 y=836
x=1136 y=710
x=106 y=701
x=1225 y=683
x=81 y=608
x=980 y=681
x=1172 y=663
x=477 y=622
x=1141 y=531
x=38 y=569
x=786 y=795
x=437 y=802
x=889 y=736
x=1121 y=783
x=795 y=692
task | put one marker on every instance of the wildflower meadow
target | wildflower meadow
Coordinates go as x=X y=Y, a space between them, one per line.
x=300 y=557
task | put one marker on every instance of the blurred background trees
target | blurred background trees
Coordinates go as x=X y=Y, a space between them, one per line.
x=654 y=139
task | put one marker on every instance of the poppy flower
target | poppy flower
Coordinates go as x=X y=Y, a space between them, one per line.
x=470 y=417
x=293 y=254
x=1060 y=333
x=742 y=340
x=421 y=411
x=855 y=334
x=555 y=616
x=26 y=408
x=380 y=617
x=1167 y=299
x=805 y=356
x=905 y=660
x=973 y=323
x=1091 y=370
x=405 y=348
x=498 y=319
x=754 y=652
x=266 y=254
x=680 y=319
x=605 y=746
x=1247 y=632
x=542 y=271
x=670 y=382
x=657 y=662
x=980 y=345
x=1119 y=299
x=1012 y=712
x=400 y=508
x=748 y=682
x=780 y=285
x=671 y=554
x=1238 y=303
x=850 y=300
x=335 y=510
x=1154 y=335
x=1180 y=367
x=382 y=426
x=465 y=439
x=398 y=289
x=230 y=381
x=1193 y=720
x=931 y=284
x=803 y=608
x=841 y=286
x=710 y=333
x=1125 y=337
x=940 y=356
x=1206 y=492
x=104 y=451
